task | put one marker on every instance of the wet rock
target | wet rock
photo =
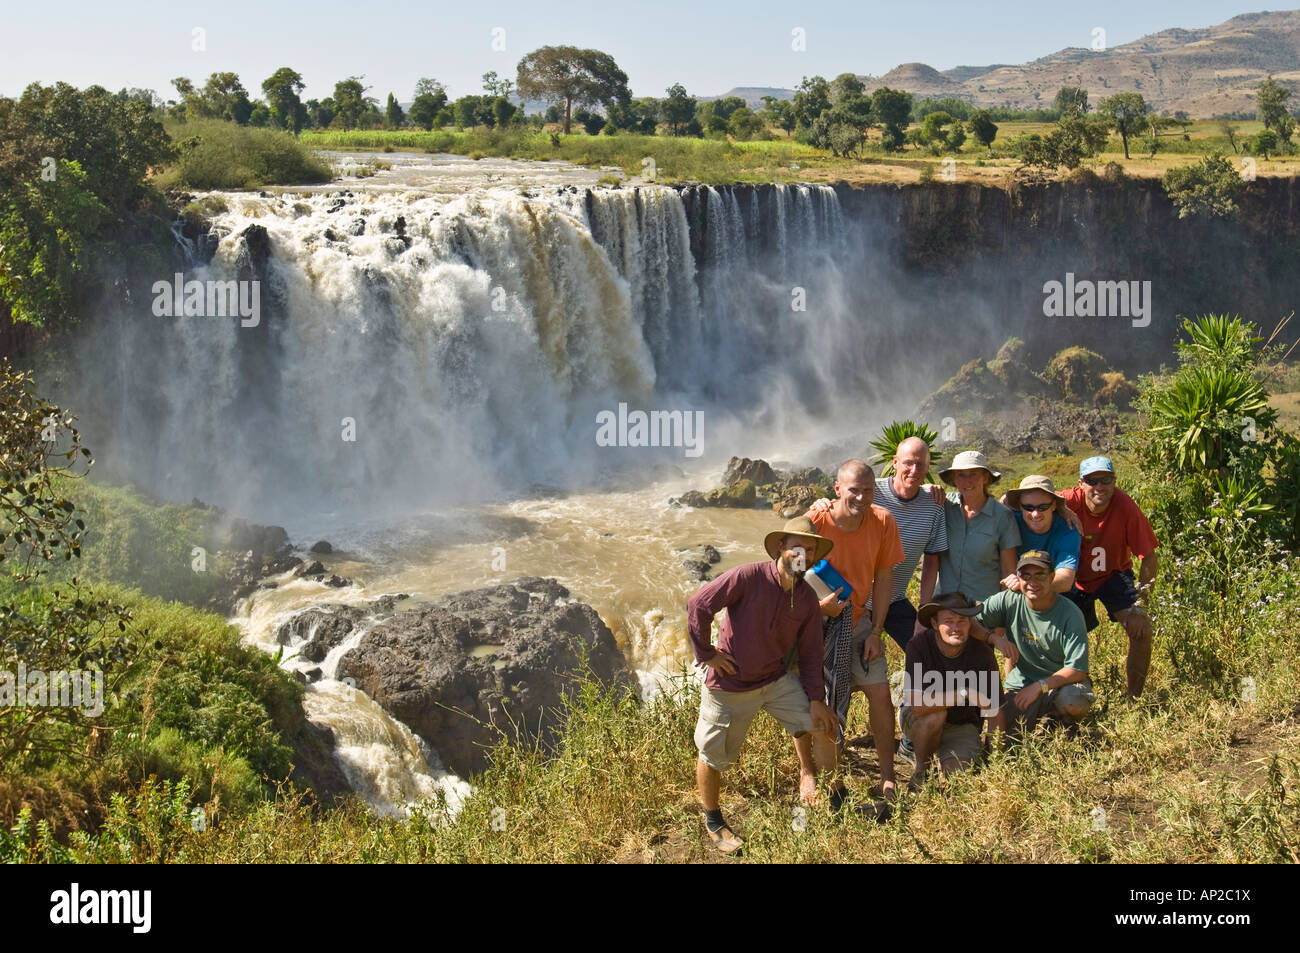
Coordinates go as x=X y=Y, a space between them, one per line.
x=260 y=539
x=711 y=554
x=337 y=582
x=321 y=546
x=313 y=569
x=740 y=469
x=357 y=227
x=698 y=568
x=313 y=675
x=418 y=665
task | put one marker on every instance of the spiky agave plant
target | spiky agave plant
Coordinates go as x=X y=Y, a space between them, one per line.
x=894 y=434
x=1204 y=411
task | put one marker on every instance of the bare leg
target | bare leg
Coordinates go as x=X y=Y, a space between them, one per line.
x=881 y=711
x=708 y=780
x=803 y=747
x=927 y=729
x=1138 y=627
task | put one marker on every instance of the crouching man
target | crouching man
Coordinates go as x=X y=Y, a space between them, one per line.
x=1051 y=640
x=950 y=684
x=771 y=612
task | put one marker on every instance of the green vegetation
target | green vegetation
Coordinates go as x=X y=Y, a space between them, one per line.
x=178 y=698
x=1213 y=448
x=72 y=180
x=221 y=155
x=886 y=445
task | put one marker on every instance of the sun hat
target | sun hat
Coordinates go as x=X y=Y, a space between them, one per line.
x=799 y=526
x=1035 y=481
x=952 y=602
x=969 y=460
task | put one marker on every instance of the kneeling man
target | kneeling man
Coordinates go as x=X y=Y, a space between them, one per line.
x=771 y=612
x=950 y=682
x=1051 y=637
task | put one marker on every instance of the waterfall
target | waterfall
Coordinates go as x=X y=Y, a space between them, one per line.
x=435 y=348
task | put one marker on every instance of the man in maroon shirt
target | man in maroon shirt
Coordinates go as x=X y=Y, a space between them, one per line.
x=1114 y=530
x=771 y=611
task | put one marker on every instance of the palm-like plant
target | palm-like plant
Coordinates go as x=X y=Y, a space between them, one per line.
x=894 y=434
x=1206 y=410
x=1219 y=340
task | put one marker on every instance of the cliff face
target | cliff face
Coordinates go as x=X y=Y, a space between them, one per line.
x=973 y=249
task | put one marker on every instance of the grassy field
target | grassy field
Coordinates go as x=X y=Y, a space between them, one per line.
x=722 y=162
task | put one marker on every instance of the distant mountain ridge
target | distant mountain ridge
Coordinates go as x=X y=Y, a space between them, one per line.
x=1204 y=72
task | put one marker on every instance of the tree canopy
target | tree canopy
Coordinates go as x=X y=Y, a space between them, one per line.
x=572 y=76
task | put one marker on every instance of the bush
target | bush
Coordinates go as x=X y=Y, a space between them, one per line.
x=1211 y=188
x=222 y=155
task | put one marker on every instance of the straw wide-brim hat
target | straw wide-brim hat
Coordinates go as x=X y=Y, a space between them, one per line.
x=969 y=460
x=1034 y=482
x=953 y=602
x=799 y=526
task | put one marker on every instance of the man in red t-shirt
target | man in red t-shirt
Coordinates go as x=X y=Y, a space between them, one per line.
x=1114 y=530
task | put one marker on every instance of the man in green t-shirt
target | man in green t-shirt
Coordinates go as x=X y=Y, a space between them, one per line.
x=1051 y=636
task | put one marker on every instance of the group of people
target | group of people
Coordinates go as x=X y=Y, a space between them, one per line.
x=1021 y=575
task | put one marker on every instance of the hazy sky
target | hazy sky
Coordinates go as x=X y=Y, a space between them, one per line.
x=706 y=45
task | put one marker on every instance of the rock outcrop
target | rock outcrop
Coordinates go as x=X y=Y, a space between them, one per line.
x=480 y=665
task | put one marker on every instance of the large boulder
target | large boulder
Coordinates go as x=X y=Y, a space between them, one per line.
x=1076 y=373
x=757 y=472
x=477 y=665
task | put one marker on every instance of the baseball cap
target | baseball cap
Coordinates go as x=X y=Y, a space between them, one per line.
x=1035 y=557
x=1095 y=465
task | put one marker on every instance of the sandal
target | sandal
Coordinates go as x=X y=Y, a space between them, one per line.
x=724 y=839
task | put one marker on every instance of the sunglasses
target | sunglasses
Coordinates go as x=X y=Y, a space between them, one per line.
x=1039 y=508
x=1099 y=481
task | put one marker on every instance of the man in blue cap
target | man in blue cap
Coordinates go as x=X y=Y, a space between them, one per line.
x=1114 y=530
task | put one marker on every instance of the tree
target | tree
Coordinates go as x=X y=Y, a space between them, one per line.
x=1210 y=189
x=226 y=98
x=320 y=113
x=1230 y=133
x=942 y=133
x=1071 y=101
x=566 y=74
x=678 y=109
x=983 y=128
x=812 y=97
x=503 y=111
x=778 y=112
x=1126 y=113
x=591 y=122
x=1264 y=143
x=639 y=115
x=260 y=117
x=744 y=124
x=394 y=117
x=350 y=101
x=892 y=108
x=497 y=87
x=430 y=99
x=281 y=90
x=1270 y=101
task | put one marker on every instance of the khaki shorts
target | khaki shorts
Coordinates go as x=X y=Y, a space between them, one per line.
x=960 y=742
x=876 y=671
x=1076 y=693
x=725 y=717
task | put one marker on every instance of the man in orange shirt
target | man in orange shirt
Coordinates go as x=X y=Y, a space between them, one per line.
x=867 y=547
